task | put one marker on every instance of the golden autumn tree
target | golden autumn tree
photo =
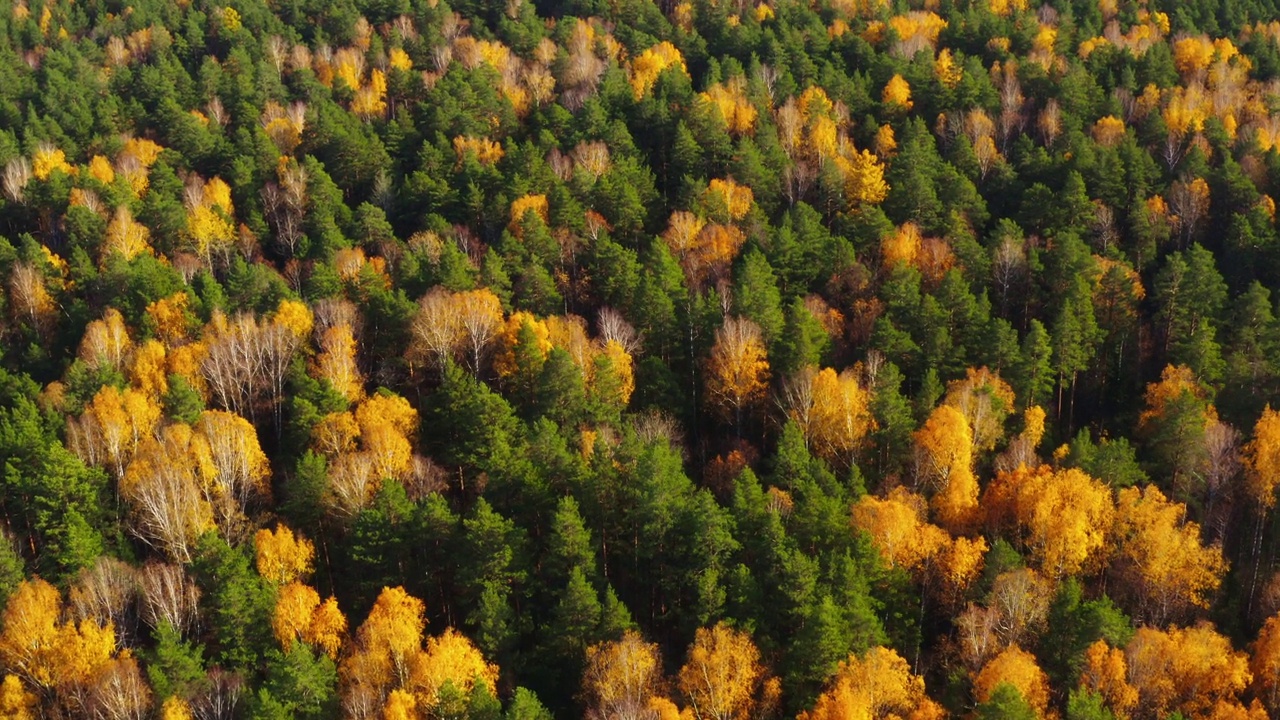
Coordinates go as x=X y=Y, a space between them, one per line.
x=1106 y=673
x=114 y=423
x=957 y=566
x=1264 y=663
x=944 y=462
x=1160 y=556
x=833 y=412
x=649 y=64
x=336 y=362
x=897 y=94
x=1018 y=668
x=125 y=236
x=460 y=326
x=56 y=658
x=730 y=100
x=985 y=400
x=281 y=556
x=388 y=666
x=1262 y=461
x=622 y=678
x=106 y=341
x=727 y=199
x=878 y=685
x=234 y=470
x=897 y=528
x=148 y=369
x=738 y=369
x=449 y=659
x=210 y=218
x=164 y=487
x=1188 y=670
x=384 y=645
x=722 y=678
x=295 y=605
x=16 y=701
x=1065 y=516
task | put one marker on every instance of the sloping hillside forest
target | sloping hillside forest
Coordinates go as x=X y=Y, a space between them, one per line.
x=622 y=360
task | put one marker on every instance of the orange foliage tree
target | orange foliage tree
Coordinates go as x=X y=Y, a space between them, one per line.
x=1188 y=670
x=1160 y=556
x=622 y=678
x=880 y=684
x=722 y=679
x=944 y=462
x=738 y=370
x=897 y=528
x=51 y=657
x=833 y=411
x=1018 y=668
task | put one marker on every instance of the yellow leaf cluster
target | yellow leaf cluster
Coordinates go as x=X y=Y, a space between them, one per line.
x=897 y=93
x=738 y=369
x=1162 y=554
x=105 y=342
x=284 y=125
x=985 y=400
x=44 y=653
x=386 y=426
x=648 y=65
x=100 y=169
x=299 y=615
x=917 y=30
x=170 y=317
x=1187 y=670
x=1066 y=516
x=148 y=371
x=144 y=151
x=17 y=702
x=864 y=181
x=450 y=659
x=944 y=452
x=125 y=236
x=623 y=677
x=1018 y=668
x=175 y=708
x=521 y=205
x=47 y=160
x=209 y=218
x=1108 y=131
x=735 y=199
x=370 y=100
x=730 y=98
x=833 y=413
x=900 y=247
x=388 y=659
x=946 y=69
x=282 y=557
x=1005 y=8
x=1106 y=672
x=399 y=59
x=487 y=151
x=1175 y=380
x=1265 y=663
x=1262 y=460
x=897 y=528
x=336 y=362
x=878 y=685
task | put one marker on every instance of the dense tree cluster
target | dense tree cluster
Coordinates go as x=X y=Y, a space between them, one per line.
x=690 y=360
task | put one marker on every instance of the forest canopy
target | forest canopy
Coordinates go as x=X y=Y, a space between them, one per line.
x=689 y=360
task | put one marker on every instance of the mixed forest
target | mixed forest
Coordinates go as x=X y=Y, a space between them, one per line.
x=631 y=360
